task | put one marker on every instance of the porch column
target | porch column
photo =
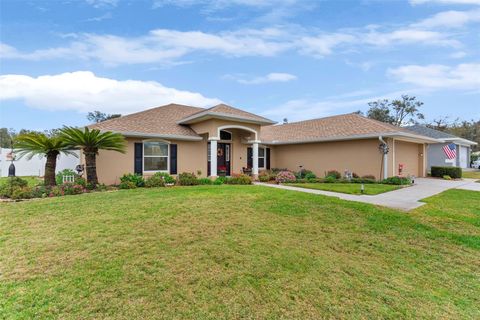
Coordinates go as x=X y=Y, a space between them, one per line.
x=255 y=159
x=213 y=157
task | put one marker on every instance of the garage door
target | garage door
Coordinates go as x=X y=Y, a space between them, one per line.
x=463 y=156
x=406 y=157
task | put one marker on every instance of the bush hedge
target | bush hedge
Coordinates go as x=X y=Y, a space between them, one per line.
x=397 y=180
x=453 y=172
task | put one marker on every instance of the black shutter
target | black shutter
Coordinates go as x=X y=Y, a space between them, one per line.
x=138 y=167
x=249 y=158
x=267 y=155
x=173 y=159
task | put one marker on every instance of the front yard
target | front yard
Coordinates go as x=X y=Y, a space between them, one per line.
x=350 y=188
x=238 y=252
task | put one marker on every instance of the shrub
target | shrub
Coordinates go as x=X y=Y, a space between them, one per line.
x=266 y=175
x=369 y=176
x=81 y=181
x=219 y=181
x=276 y=171
x=136 y=179
x=71 y=188
x=363 y=180
x=21 y=193
x=329 y=179
x=65 y=172
x=355 y=175
x=453 y=172
x=334 y=173
x=310 y=176
x=397 y=180
x=285 y=176
x=168 y=179
x=11 y=184
x=127 y=185
x=302 y=174
x=40 y=191
x=155 y=181
x=239 y=179
x=187 y=179
x=447 y=177
x=205 y=181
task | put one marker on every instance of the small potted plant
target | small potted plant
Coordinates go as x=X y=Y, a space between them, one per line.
x=222 y=171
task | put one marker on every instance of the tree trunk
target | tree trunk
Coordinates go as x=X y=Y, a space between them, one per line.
x=91 y=167
x=50 y=167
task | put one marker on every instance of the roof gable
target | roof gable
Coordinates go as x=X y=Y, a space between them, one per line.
x=223 y=111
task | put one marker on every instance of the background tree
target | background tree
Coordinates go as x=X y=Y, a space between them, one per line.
x=90 y=141
x=379 y=110
x=97 y=116
x=37 y=143
x=397 y=112
x=406 y=110
x=6 y=137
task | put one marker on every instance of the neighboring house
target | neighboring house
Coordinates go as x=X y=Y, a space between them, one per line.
x=36 y=165
x=437 y=155
x=225 y=140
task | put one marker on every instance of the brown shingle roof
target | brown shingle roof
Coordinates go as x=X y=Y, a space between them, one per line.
x=335 y=127
x=157 y=121
x=225 y=111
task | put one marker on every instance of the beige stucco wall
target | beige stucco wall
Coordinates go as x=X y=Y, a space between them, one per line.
x=359 y=156
x=211 y=127
x=191 y=157
x=411 y=155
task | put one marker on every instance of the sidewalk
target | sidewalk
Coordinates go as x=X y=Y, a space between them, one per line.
x=404 y=199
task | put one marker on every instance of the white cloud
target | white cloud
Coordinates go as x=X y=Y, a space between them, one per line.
x=458 y=55
x=304 y=109
x=83 y=91
x=102 y=17
x=160 y=46
x=417 y=2
x=463 y=76
x=450 y=19
x=102 y=3
x=271 y=77
x=220 y=4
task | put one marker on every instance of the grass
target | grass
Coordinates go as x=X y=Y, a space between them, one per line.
x=211 y=252
x=471 y=175
x=351 y=188
x=32 y=180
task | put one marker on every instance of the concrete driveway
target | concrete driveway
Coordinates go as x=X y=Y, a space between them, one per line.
x=404 y=199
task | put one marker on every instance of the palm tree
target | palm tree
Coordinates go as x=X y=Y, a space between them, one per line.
x=90 y=141
x=50 y=146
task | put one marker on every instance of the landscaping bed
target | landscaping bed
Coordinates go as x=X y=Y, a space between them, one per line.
x=350 y=188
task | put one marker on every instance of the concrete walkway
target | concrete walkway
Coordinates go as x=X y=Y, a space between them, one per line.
x=404 y=199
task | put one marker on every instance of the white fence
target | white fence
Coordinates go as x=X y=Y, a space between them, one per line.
x=34 y=166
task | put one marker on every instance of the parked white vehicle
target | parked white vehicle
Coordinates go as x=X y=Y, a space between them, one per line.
x=476 y=164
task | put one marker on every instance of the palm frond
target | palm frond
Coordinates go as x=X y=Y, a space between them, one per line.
x=93 y=139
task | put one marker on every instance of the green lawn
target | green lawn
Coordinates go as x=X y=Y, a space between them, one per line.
x=471 y=174
x=351 y=188
x=211 y=252
x=32 y=181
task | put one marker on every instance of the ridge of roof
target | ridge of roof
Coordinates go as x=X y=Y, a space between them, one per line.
x=146 y=111
x=226 y=111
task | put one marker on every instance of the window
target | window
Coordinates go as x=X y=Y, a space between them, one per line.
x=209 y=148
x=225 y=135
x=261 y=157
x=155 y=156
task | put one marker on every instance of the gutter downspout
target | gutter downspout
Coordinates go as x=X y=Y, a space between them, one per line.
x=385 y=159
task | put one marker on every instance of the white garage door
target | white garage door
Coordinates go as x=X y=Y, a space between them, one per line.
x=463 y=157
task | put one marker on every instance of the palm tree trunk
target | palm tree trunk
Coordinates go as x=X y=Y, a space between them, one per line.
x=50 y=167
x=91 y=167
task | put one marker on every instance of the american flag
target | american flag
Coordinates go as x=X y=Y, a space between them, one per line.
x=450 y=150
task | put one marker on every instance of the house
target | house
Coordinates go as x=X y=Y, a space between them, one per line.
x=223 y=140
x=437 y=155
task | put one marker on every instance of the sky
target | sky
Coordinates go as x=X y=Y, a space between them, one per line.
x=294 y=59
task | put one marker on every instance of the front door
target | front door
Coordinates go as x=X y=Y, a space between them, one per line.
x=223 y=159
